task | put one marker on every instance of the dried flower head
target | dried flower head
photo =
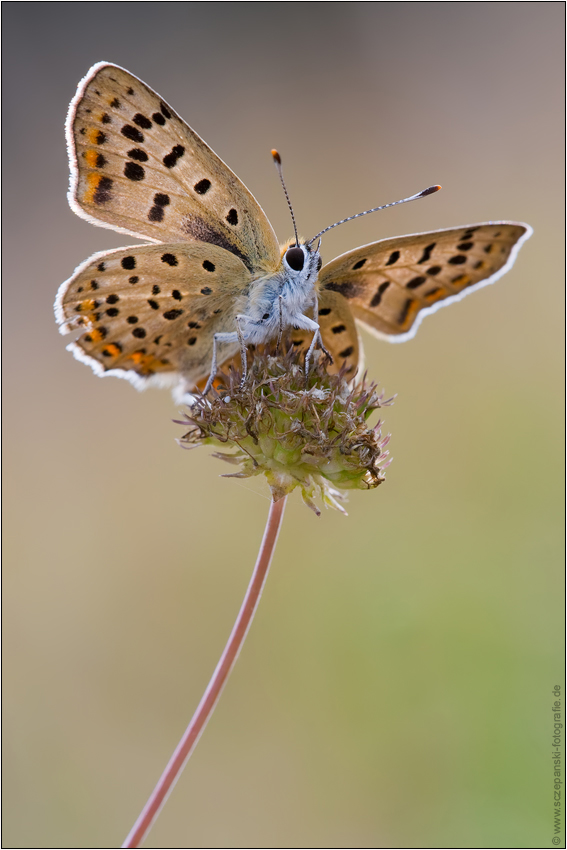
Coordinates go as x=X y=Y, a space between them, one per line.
x=311 y=434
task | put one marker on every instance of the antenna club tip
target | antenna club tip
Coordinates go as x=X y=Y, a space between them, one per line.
x=277 y=158
x=429 y=191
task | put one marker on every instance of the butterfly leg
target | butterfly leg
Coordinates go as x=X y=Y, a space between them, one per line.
x=316 y=339
x=310 y=350
x=243 y=351
x=280 y=333
x=220 y=337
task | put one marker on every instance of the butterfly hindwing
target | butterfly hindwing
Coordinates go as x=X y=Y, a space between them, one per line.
x=390 y=285
x=152 y=310
x=137 y=167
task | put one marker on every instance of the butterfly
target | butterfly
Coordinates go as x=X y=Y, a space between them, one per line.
x=214 y=279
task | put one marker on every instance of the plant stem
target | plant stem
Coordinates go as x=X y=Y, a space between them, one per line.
x=209 y=699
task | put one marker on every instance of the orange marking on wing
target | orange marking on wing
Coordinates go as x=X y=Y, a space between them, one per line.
x=92 y=185
x=91 y=158
x=111 y=349
x=434 y=295
x=410 y=309
x=462 y=280
x=93 y=135
x=96 y=335
x=87 y=306
x=147 y=363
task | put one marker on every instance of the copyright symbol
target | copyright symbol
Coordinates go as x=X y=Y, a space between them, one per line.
x=556 y=839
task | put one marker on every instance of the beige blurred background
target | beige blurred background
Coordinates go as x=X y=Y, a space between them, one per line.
x=396 y=686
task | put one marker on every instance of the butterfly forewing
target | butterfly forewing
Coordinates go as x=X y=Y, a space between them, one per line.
x=136 y=166
x=390 y=285
x=152 y=310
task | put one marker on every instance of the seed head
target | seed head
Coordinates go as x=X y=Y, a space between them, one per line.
x=307 y=433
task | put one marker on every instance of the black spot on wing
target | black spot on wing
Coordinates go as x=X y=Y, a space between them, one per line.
x=156 y=212
x=132 y=133
x=458 y=259
x=415 y=282
x=347 y=352
x=324 y=311
x=348 y=289
x=359 y=264
x=393 y=258
x=202 y=186
x=142 y=121
x=128 y=262
x=426 y=253
x=133 y=171
x=379 y=293
x=138 y=154
x=170 y=159
x=102 y=192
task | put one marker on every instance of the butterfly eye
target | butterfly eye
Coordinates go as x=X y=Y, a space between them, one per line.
x=295 y=259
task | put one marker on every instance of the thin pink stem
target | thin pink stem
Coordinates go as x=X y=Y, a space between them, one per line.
x=227 y=660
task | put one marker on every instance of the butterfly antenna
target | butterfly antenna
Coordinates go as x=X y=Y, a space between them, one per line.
x=425 y=192
x=278 y=162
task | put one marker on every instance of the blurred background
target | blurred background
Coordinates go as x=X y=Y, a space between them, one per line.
x=396 y=687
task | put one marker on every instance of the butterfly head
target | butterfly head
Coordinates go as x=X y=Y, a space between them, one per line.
x=302 y=261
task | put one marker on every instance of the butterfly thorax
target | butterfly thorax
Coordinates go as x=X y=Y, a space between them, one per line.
x=280 y=300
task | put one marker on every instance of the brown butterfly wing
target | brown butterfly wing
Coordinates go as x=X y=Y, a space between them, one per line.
x=137 y=167
x=149 y=312
x=392 y=284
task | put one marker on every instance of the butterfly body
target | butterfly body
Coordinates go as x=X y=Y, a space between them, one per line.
x=279 y=301
x=214 y=278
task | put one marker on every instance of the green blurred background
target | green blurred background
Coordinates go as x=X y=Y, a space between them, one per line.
x=396 y=686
